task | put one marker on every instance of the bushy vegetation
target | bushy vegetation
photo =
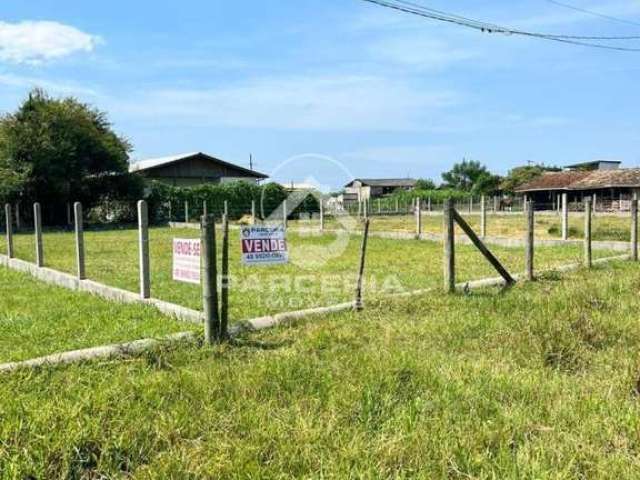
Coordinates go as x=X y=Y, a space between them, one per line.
x=57 y=151
x=165 y=200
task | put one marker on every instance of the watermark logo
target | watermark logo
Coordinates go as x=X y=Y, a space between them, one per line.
x=317 y=249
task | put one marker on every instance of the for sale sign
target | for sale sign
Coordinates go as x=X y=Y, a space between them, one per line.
x=264 y=245
x=186 y=260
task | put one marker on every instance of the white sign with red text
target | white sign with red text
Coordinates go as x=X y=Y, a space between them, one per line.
x=186 y=260
x=264 y=245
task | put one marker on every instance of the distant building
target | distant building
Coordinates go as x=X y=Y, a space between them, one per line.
x=192 y=169
x=595 y=165
x=611 y=187
x=368 y=188
x=298 y=186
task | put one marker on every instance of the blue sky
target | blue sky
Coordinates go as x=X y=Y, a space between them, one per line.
x=378 y=92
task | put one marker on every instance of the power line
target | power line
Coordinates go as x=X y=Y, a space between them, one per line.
x=595 y=14
x=426 y=12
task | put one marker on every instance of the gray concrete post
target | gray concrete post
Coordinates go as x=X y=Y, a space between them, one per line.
x=321 y=214
x=186 y=211
x=418 y=218
x=285 y=214
x=634 y=230
x=587 y=233
x=18 y=220
x=79 y=229
x=224 y=287
x=37 y=228
x=253 y=212
x=565 y=216
x=529 y=241
x=9 y=225
x=483 y=217
x=143 y=249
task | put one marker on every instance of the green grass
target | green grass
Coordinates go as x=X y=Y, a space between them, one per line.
x=604 y=227
x=535 y=382
x=392 y=266
x=37 y=319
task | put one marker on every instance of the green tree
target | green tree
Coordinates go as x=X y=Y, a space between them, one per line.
x=425 y=184
x=61 y=150
x=521 y=175
x=468 y=176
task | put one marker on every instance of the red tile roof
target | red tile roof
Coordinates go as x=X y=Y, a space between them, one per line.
x=584 y=180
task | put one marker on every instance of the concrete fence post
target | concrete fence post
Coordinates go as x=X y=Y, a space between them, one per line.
x=471 y=204
x=186 y=211
x=496 y=206
x=209 y=276
x=226 y=208
x=321 y=214
x=483 y=217
x=397 y=206
x=9 y=225
x=143 y=249
x=37 y=228
x=587 y=233
x=285 y=214
x=79 y=229
x=205 y=208
x=224 y=288
x=634 y=230
x=18 y=219
x=529 y=241
x=253 y=212
x=449 y=247
x=418 y=219
x=429 y=205
x=565 y=216
x=379 y=207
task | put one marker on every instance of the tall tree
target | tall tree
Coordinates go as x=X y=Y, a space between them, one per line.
x=59 y=150
x=470 y=176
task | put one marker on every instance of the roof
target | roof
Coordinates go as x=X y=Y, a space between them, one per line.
x=384 y=182
x=592 y=163
x=164 y=161
x=583 y=180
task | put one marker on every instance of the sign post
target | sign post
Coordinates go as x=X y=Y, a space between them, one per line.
x=264 y=245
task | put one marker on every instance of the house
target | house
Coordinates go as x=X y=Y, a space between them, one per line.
x=610 y=187
x=367 y=188
x=192 y=169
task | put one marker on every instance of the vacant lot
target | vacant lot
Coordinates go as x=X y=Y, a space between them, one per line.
x=37 y=319
x=536 y=382
x=322 y=269
x=548 y=226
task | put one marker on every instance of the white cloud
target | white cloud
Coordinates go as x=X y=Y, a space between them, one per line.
x=52 y=86
x=331 y=102
x=420 y=52
x=34 y=42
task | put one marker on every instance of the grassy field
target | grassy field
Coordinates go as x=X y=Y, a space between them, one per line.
x=535 y=382
x=604 y=227
x=313 y=278
x=37 y=319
